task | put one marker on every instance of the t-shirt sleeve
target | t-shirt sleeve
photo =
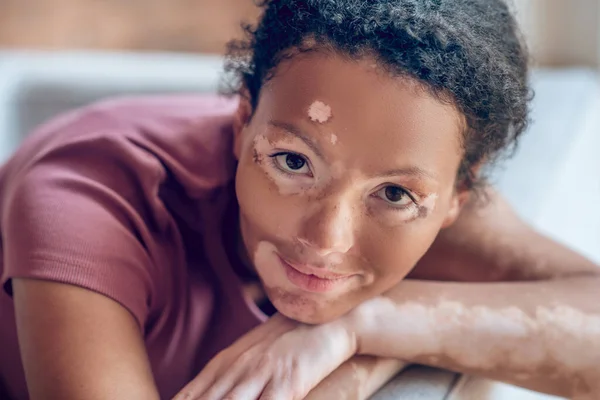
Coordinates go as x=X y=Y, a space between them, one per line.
x=78 y=215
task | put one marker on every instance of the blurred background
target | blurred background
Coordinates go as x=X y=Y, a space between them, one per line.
x=59 y=54
x=56 y=55
x=560 y=32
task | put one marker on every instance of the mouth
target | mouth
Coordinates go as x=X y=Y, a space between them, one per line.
x=313 y=279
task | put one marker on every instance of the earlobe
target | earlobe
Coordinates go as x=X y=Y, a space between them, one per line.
x=240 y=121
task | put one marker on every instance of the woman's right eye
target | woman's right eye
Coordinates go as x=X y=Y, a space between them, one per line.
x=395 y=196
x=291 y=163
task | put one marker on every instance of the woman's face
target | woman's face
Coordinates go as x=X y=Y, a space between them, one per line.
x=346 y=175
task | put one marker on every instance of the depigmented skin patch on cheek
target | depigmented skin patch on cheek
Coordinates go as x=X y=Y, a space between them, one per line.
x=427 y=205
x=334 y=139
x=257 y=158
x=417 y=211
x=430 y=201
x=412 y=214
x=261 y=146
x=319 y=112
x=263 y=253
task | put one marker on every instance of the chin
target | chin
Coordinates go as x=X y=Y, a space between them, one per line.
x=310 y=319
x=302 y=309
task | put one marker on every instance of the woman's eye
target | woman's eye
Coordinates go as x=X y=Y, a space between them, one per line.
x=292 y=163
x=395 y=195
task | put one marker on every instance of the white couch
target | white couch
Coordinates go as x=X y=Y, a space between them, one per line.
x=35 y=86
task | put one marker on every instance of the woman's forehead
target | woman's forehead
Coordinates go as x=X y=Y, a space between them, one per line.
x=354 y=106
x=357 y=92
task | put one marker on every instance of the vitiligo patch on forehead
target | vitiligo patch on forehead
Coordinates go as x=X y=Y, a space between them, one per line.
x=334 y=138
x=319 y=112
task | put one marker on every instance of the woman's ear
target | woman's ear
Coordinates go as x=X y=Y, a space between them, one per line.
x=459 y=198
x=240 y=121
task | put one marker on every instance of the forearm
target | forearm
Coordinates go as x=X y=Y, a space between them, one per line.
x=357 y=379
x=514 y=332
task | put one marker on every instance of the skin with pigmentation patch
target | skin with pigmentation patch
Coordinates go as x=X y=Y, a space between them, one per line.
x=319 y=112
x=538 y=346
x=315 y=202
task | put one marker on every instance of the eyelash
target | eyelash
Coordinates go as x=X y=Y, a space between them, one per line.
x=396 y=208
x=273 y=158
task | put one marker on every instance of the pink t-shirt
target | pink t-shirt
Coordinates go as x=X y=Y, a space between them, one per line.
x=131 y=198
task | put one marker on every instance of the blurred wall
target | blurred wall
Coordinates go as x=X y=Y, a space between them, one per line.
x=560 y=32
x=177 y=25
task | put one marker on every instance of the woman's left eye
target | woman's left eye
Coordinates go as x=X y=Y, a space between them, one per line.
x=395 y=196
x=291 y=163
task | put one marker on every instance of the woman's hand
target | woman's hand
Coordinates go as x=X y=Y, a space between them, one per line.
x=280 y=359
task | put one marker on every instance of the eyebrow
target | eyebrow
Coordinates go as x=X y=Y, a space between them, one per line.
x=293 y=130
x=408 y=171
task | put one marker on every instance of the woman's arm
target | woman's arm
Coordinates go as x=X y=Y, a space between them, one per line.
x=543 y=336
x=542 y=333
x=357 y=379
x=77 y=344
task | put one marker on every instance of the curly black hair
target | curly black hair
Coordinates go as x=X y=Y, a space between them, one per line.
x=467 y=52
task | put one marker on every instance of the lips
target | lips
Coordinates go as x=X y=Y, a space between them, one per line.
x=316 y=271
x=311 y=278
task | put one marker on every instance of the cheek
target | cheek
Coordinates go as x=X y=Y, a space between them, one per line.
x=265 y=211
x=394 y=253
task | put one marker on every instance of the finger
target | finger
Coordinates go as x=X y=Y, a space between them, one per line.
x=209 y=374
x=237 y=355
x=250 y=387
x=278 y=390
x=247 y=365
x=256 y=339
x=206 y=389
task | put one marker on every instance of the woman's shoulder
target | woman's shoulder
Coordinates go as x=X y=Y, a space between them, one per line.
x=158 y=112
x=148 y=136
x=143 y=116
x=81 y=200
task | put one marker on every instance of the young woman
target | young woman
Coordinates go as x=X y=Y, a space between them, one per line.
x=145 y=242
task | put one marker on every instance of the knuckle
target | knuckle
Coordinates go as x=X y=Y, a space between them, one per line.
x=187 y=395
x=232 y=396
x=265 y=361
x=278 y=392
x=246 y=357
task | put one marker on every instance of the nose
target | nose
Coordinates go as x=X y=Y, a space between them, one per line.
x=330 y=228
